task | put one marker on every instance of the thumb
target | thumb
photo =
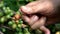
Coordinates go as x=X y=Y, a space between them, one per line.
x=33 y=7
x=42 y=7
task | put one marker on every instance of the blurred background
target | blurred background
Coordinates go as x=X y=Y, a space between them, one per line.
x=10 y=24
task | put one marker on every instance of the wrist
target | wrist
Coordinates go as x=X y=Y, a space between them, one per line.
x=56 y=4
x=56 y=7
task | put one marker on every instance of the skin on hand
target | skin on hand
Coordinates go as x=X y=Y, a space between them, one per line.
x=44 y=29
x=30 y=20
x=39 y=24
x=42 y=7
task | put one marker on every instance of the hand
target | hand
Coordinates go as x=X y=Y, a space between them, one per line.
x=45 y=11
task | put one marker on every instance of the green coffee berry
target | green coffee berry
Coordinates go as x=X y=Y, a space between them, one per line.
x=14 y=26
x=19 y=25
x=10 y=23
x=8 y=16
x=2 y=19
x=3 y=29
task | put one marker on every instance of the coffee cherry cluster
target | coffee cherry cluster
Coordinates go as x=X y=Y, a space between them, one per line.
x=12 y=20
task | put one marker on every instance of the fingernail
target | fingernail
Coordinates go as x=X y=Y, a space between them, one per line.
x=26 y=9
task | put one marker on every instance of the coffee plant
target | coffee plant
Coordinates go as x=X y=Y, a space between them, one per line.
x=11 y=19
